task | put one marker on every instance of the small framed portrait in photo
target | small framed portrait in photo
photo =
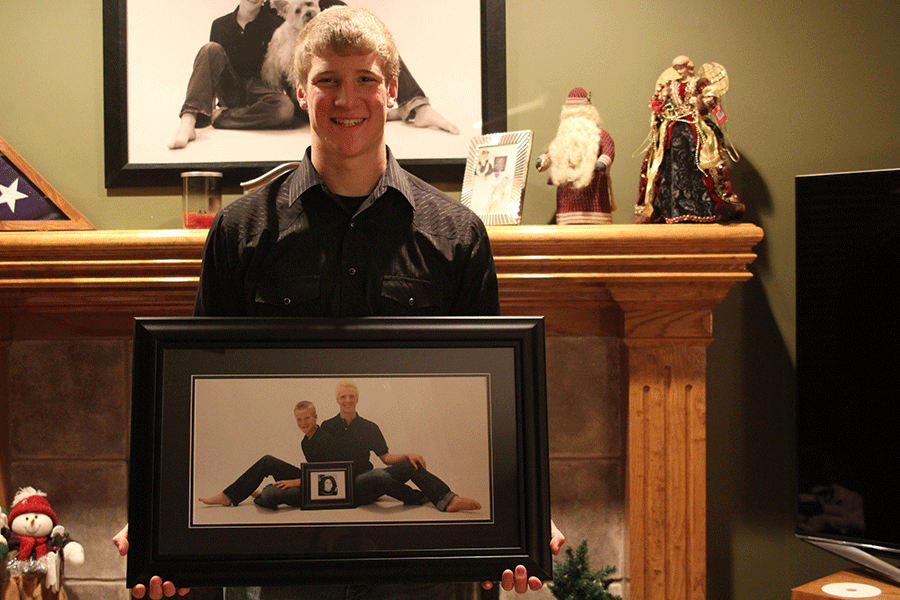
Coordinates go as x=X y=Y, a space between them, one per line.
x=327 y=485
x=494 y=181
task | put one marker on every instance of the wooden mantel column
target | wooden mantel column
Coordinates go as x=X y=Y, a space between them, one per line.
x=666 y=336
x=652 y=286
x=656 y=286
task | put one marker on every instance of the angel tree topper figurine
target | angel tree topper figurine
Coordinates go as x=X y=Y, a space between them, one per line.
x=684 y=177
x=579 y=160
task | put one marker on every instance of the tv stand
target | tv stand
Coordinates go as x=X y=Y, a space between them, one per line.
x=851 y=582
x=859 y=556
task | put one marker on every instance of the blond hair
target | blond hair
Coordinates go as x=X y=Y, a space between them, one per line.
x=346 y=383
x=346 y=30
x=306 y=405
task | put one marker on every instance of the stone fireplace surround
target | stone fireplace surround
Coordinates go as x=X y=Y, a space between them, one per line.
x=628 y=312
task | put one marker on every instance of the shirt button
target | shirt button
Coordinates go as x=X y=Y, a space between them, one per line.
x=286 y=301
x=351 y=271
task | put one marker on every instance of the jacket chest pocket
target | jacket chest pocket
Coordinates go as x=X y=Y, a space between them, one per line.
x=294 y=295
x=402 y=296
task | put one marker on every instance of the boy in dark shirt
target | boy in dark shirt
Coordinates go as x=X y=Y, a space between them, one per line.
x=227 y=71
x=318 y=446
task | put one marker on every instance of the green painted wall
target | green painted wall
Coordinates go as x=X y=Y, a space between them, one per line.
x=814 y=88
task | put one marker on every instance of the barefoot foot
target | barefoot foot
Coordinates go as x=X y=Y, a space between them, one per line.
x=185 y=133
x=426 y=116
x=219 y=498
x=459 y=503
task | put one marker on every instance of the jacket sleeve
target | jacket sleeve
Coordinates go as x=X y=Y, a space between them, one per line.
x=219 y=293
x=478 y=290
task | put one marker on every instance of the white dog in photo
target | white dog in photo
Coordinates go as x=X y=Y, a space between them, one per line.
x=412 y=104
x=276 y=69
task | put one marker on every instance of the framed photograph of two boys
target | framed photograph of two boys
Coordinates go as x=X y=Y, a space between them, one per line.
x=454 y=52
x=214 y=398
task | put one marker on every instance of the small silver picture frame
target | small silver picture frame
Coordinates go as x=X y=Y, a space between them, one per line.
x=496 y=171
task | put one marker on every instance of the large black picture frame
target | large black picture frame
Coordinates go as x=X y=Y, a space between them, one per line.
x=503 y=357
x=122 y=170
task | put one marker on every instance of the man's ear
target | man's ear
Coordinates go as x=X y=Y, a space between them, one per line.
x=301 y=98
x=392 y=92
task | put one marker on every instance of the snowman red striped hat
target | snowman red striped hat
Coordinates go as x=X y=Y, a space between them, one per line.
x=30 y=500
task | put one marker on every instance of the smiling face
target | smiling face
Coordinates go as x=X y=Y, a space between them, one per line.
x=32 y=524
x=347 y=399
x=306 y=420
x=250 y=5
x=347 y=97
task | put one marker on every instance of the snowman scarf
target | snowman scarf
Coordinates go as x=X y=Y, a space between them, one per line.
x=27 y=544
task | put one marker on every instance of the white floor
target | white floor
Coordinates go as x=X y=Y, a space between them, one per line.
x=385 y=510
x=150 y=145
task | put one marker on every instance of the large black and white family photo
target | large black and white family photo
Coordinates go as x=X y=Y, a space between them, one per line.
x=205 y=85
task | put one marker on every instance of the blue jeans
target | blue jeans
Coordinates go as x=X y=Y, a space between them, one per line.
x=246 y=103
x=367 y=487
x=391 y=481
x=266 y=466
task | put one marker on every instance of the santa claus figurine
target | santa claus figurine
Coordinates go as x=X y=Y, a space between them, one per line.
x=579 y=161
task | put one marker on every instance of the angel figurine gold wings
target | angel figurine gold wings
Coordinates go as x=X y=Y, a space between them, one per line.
x=684 y=176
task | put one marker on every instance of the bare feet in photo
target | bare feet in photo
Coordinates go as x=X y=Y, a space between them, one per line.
x=186 y=132
x=459 y=503
x=426 y=116
x=220 y=499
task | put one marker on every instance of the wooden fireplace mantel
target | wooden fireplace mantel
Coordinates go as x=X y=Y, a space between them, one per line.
x=580 y=277
x=653 y=286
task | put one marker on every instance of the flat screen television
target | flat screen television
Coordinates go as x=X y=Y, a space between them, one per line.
x=848 y=365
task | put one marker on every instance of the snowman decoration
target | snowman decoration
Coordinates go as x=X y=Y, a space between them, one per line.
x=40 y=543
x=4 y=544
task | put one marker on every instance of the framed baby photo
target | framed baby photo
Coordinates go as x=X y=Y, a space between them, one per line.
x=327 y=485
x=163 y=60
x=496 y=172
x=291 y=451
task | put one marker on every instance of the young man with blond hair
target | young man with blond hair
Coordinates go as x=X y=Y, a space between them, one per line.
x=359 y=438
x=348 y=234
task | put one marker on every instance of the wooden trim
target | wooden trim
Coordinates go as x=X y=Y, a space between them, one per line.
x=75 y=220
x=846 y=579
x=595 y=268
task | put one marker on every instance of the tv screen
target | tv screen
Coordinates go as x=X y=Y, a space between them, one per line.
x=848 y=358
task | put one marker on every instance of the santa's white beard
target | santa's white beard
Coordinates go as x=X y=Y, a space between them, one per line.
x=574 y=151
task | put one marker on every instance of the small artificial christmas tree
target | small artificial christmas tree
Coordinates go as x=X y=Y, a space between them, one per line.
x=573 y=579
